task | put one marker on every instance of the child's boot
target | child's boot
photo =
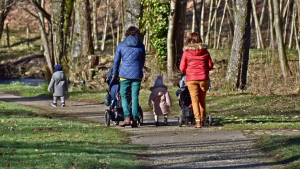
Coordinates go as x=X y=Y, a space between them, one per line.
x=156 y=120
x=166 y=120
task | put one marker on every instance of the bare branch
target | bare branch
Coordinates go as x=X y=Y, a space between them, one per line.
x=41 y=10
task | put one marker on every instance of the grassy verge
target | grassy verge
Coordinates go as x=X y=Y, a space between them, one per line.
x=34 y=141
x=284 y=148
x=233 y=110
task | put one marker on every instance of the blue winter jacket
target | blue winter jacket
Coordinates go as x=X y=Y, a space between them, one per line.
x=132 y=53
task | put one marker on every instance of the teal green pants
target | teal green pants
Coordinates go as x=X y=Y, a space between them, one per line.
x=130 y=86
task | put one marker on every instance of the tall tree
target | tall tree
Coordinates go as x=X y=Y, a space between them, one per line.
x=298 y=6
x=259 y=40
x=271 y=24
x=5 y=6
x=105 y=26
x=95 y=27
x=46 y=43
x=180 y=27
x=57 y=17
x=170 y=43
x=236 y=76
x=281 y=49
x=134 y=11
x=81 y=40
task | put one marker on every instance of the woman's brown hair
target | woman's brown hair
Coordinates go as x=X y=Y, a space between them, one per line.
x=193 y=38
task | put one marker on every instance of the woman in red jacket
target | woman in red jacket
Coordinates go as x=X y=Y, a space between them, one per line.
x=196 y=64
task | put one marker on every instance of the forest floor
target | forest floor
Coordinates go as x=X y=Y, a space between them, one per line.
x=171 y=146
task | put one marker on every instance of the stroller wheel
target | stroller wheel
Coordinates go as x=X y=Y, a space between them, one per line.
x=141 y=120
x=141 y=116
x=180 y=121
x=107 y=118
x=209 y=120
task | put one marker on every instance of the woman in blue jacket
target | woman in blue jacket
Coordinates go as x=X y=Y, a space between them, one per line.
x=132 y=53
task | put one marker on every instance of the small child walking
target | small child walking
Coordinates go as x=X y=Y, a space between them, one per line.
x=59 y=84
x=160 y=100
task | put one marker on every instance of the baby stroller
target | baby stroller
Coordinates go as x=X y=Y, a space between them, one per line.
x=115 y=111
x=185 y=102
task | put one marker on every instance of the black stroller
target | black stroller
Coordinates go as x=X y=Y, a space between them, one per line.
x=187 y=114
x=115 y=111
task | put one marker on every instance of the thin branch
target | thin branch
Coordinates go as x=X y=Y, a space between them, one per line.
x=41 y=10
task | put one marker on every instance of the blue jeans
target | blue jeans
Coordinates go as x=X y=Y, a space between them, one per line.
x=130 y=86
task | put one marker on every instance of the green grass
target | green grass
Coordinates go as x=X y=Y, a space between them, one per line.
x=18 y=45
x=31 y=141
x=233 y=110
x=246 y=111
x=284 y=148
x=25 y=90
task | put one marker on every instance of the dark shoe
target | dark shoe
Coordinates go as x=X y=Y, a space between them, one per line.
x=156 y=123
x=134 y=123
x=53 y=104
x=201 y=123
x=126 y=122
x=197 y=125
x=165 y=121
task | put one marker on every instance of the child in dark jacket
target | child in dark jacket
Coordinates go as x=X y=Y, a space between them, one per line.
x=160 y=100
x=59 y=83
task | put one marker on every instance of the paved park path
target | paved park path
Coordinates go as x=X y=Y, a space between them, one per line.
x=170 y=146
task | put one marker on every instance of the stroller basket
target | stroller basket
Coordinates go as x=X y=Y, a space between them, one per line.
x=188 y=112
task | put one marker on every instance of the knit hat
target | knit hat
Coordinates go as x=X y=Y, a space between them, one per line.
x=57 y=68
x=159 y=81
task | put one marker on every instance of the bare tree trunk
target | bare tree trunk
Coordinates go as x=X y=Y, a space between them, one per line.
x=215 y=29
x=213 y=21
x=123 y=20
x=27 y=31
x=118 y=27
x=236 y=76
x=42 y=2
x=221 y=24
x=45 y=42
x=7 y=36
x=82 y=41
x=298 y=7
x=202 y=8
x=286 y=9
x=133 y=12
x=170 y=39
x=260 y=43
x=292 y=26
x=286 y=25
x=281 y=50
x=295 y=30
x=112 y=33
x=209 y=22
x=262 y=13
x=95 y=26
x=57 y=17
x=179 y=31
x=105 y=26
x=271 y=20
x=194 y=15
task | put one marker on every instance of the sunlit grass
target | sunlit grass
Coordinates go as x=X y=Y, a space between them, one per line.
x=285 y=149
x=30 y=141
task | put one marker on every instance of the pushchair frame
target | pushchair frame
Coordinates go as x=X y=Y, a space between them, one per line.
x=115 y=112
x=187 y=114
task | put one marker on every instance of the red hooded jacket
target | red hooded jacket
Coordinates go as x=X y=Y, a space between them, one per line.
x=196 y=62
